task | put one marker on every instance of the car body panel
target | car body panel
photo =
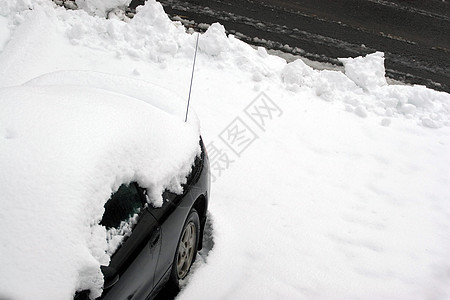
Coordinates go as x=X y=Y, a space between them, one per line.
x=145 y=259
x=175 y=210
x=136 y=260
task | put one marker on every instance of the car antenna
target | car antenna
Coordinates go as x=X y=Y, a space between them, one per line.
x=192 y=77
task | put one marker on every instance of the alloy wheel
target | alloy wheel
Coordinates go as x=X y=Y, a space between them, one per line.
x=186 y=250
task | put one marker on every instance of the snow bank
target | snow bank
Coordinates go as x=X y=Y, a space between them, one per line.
x=363 y=90
x=101 y=7
x=64 y=150
x=152 y=37
x=149 y=36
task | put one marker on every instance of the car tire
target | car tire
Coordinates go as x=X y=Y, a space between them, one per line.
x=186 y=250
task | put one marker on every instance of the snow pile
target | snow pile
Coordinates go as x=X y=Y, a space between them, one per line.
x=367 y=72
x=297 y=73
x=101 y=7
x=150 y=35
x=64 y=150
x=363 y=90
x=215 y=41
x=16 y=10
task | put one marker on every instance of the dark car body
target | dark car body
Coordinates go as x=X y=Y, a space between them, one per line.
x=142 y=265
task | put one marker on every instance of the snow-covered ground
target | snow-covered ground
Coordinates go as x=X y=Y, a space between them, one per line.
x=327 y=185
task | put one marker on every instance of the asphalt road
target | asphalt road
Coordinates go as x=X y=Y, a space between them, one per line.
x=414 y=34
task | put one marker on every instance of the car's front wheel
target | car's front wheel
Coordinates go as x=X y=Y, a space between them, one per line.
x=187 y=248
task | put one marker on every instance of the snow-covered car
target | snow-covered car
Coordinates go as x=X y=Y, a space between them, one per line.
x=105 y=188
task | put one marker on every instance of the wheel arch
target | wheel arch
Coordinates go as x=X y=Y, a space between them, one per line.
x=200 y=205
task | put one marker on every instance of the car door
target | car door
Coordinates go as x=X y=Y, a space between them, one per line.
x=133 y=263
x=172 y=216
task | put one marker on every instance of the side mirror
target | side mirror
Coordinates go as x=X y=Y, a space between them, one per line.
x=110 y=276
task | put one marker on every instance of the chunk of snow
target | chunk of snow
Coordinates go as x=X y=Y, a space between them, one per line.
x=367 y=72
x=214 y=41
x=262 y=52
x=361 y=111
x=115 y=236
x=298 y=73
x=101 y=7
x=385 y=122
x=408 y=108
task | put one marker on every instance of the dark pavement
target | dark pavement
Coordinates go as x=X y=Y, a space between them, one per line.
x=414 y=34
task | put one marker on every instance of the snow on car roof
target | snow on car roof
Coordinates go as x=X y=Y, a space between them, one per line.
x=63 y=150
x=139 y=89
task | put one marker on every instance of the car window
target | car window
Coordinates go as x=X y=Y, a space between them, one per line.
x=194 y=171
x=122 y=206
